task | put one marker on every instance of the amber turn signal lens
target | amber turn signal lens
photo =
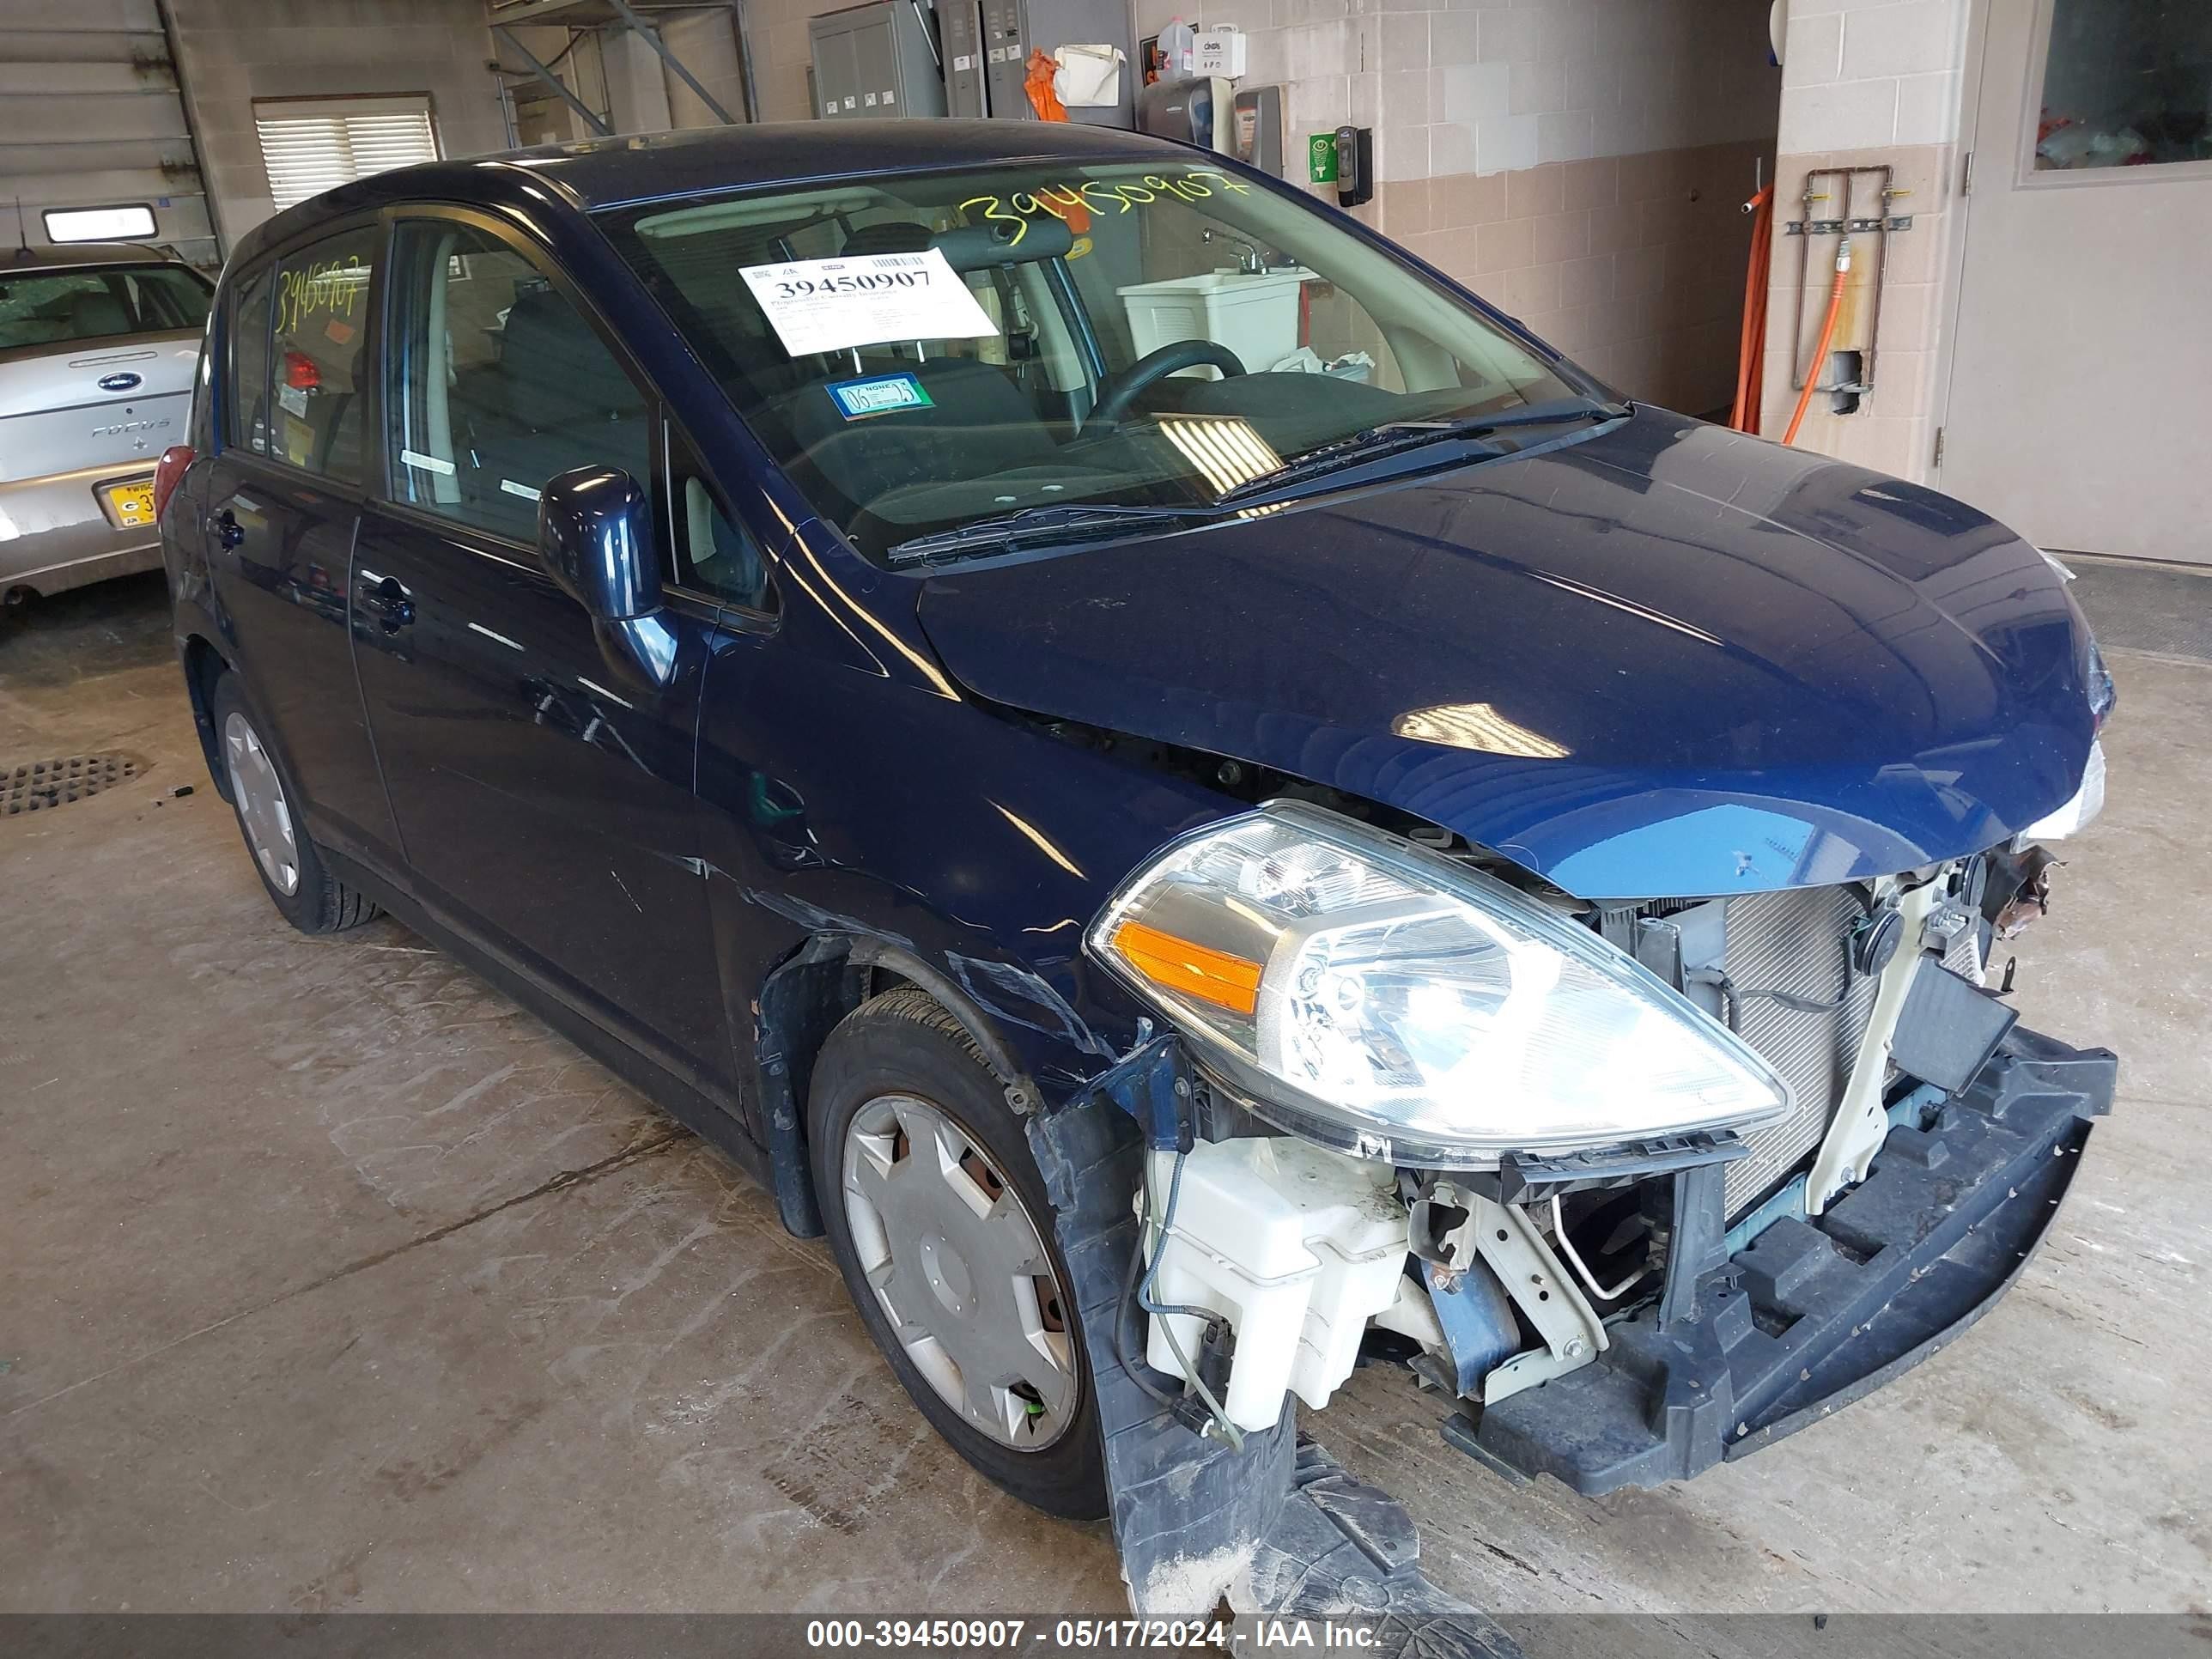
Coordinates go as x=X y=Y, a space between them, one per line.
x=1193 y=970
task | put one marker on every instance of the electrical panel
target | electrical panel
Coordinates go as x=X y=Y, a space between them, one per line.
x=988 y=45
x=961 y=23
x=875 y=61
x=1006 y=57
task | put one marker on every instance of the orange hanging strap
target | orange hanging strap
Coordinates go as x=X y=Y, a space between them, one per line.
x=1751 y=350
x=1038 y=84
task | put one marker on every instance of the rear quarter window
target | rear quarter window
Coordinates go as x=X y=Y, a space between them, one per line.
x=316 y=361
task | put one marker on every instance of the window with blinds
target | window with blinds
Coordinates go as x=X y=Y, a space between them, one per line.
x=316 y=144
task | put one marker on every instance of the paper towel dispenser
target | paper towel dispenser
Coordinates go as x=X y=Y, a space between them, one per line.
x=1195 y=110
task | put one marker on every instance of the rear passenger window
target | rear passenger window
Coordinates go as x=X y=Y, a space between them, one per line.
x=318 y=354
x=498 y=384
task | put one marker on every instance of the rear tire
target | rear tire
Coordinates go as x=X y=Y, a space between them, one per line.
x=956 y=1273
x=291 y=867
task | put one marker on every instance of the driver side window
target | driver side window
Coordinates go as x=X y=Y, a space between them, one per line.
x=497 y=383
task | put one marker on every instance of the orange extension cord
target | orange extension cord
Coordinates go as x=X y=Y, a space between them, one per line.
x=1827 y=339
x=1751 y=351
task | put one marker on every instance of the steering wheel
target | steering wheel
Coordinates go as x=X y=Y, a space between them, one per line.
x=1120 y=389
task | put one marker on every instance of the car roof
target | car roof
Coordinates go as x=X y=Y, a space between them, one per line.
x=610 y=171
x=623 y=170
x=69 y=256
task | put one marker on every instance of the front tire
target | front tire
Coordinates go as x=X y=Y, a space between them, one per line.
x=940 y=1224
x=291 y=868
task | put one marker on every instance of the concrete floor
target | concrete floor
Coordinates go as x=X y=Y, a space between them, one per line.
x=332 y=1280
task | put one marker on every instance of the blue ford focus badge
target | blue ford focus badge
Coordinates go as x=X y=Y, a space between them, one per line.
x=123 y=382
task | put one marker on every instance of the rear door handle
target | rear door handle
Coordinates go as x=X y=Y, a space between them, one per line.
x=390 y=603
x=228 y=532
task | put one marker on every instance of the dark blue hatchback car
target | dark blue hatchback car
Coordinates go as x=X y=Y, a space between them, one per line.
x=1200 y=803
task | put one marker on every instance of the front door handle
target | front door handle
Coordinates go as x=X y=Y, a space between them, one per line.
x=228 y=532
x=389 y=603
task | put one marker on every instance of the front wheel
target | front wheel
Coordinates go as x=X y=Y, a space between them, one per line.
x=939 y=1222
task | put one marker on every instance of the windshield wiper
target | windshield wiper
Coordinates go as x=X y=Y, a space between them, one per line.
x=1036 y=525
x=1395 y=437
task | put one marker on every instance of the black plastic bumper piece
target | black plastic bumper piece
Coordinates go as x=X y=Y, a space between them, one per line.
x=1277 y=1528
x=1815 y=1313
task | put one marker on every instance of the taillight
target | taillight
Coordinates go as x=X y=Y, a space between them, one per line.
x=168 y=472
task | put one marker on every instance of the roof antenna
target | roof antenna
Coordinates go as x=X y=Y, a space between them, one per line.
x=23 y=233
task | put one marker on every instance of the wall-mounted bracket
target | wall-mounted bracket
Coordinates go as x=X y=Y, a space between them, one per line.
x=1840 y=227
x=1842 y=184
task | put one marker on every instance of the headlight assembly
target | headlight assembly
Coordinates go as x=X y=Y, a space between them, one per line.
x=1359 y=988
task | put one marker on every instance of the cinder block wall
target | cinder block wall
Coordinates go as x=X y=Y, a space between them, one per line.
x=1866 y=83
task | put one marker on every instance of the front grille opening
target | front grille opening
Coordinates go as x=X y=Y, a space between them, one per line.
x=42 y=786
x=1613 y=1244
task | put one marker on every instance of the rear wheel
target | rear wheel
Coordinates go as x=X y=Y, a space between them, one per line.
x=939 y=1222
x=292 y=869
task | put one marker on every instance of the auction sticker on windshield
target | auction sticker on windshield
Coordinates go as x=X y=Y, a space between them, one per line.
x=832 y=304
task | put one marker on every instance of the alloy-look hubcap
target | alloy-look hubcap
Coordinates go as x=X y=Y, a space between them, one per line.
x=261 y=805
x=958 y=1268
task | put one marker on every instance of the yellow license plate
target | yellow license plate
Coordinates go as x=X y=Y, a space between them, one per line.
x=133 y=503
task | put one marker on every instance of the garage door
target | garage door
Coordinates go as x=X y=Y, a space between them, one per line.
x=90 y=116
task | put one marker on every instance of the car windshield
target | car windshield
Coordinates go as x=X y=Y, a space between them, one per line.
x=60 y=307
x=935 y=350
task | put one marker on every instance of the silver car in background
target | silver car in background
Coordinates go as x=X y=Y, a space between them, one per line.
x=98 y=344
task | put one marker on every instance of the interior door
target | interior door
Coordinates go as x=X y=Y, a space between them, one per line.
x=2083 y=357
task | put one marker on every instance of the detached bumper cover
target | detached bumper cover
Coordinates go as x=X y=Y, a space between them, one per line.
x=1811 y=1315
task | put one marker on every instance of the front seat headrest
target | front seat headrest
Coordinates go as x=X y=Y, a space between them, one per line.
x=558 y=370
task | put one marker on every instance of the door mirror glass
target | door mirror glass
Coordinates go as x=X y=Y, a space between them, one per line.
x=595 y=536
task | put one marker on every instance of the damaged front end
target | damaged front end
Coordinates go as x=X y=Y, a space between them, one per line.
x=1835 y=1152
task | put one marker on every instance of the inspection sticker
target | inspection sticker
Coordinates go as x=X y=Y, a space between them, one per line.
x=831 y=305
x=879 y=394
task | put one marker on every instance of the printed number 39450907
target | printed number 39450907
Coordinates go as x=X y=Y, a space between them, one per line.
x=851 y=283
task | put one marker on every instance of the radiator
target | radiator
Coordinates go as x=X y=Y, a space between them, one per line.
x=1794 y=942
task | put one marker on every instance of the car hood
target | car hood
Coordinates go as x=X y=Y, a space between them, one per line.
x=1665 y=661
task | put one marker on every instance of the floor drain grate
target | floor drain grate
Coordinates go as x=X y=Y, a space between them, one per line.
x=40 y=786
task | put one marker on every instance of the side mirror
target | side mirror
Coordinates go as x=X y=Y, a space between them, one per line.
x=595 y=537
